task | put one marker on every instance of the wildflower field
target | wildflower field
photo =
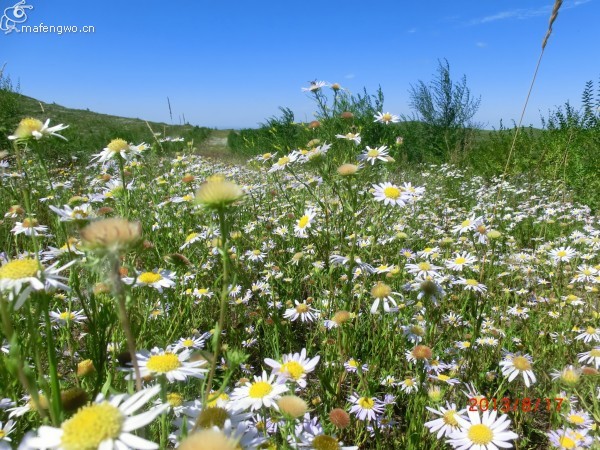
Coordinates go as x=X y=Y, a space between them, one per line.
x=323 y=296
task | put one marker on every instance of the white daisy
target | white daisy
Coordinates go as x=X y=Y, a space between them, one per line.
x=117 y=147
x=350 y=137
x=303 y=311
x=105 y=424
x=30 y=227
x=590 y=334
x=460 y=261
x=314 y=86
x=173 y=365
x=592 y=356
x=447 y=422
x=486 y=432
x=304 y=223
x=158 y=280
x=263 y=391
x=390 y=194
x=5 y=430
x=30 y=127
x=515 y=365
x=366 y=408
x=68 y=214
x=409 y=385
x=16 y=274
x=373 y=154
x=67 y=317
x=469 y=224
x=386 y=118
x=283 y=162
x=471 y=284
x=562 y=254
x=294 y=367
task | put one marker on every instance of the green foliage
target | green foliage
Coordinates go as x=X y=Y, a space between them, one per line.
x=88 y=132
x=338 y=113
x=566 y=150
x=9 y=108
x=444 y=110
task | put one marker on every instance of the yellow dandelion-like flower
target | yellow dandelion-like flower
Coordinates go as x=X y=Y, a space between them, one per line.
x=218 y=192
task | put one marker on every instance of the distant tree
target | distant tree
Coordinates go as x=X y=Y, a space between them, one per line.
x=445 y=109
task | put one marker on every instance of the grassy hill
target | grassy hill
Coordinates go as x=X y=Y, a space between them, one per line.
x=88 y=131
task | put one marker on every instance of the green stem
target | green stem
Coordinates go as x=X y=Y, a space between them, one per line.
x=55 y=404
x=223 y=304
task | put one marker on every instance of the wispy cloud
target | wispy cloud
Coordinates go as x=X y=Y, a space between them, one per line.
x=481 y=44
x=349 y=76
x=525 y=13
x=412 y=30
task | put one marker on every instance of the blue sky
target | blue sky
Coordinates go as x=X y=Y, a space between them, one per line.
x=232 y=64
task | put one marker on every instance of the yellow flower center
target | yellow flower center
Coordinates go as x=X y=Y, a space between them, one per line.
x=424 y=266
x=480 y=434
x=465 y=223
x=20 y=268
x=2 y=434
x=391 y=192
x=590 y=330
x=569 y=376
x=213 y=403
x=366 y=403
x=566 y=442
x=293 y=368
x=416 y=329
x=561 y=253
x=460 y=260
x=266 y=155
x=67 y=315
x=203 y=291
x=386 y=117
x=188 y=343
x=283 y=161
x=521 y=363
x=449 y=418
x=381 y=290
x=576 y=419
x=302 y=308
x=303 y=221
x=118 y=145
x=27 y=126
x=373 y=153
x=149 y=277
x=260 y=389
x=30 y=223
x=163 y=363
x=191 y=236
x=472 y=282
x=409 y=382
x=595 y=353
x=174 y=399
x=442 y=377
x=90 y=426
x=353 y=363
x=324 y=442
x=211 y=417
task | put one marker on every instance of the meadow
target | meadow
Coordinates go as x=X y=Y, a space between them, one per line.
x=331 y=292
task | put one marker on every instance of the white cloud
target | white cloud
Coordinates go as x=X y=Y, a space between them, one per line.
x=481 y=44
x=349 y=76
x=412 y=30
x=526 y=13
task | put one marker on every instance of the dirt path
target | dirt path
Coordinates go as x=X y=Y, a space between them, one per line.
x=216 y=147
